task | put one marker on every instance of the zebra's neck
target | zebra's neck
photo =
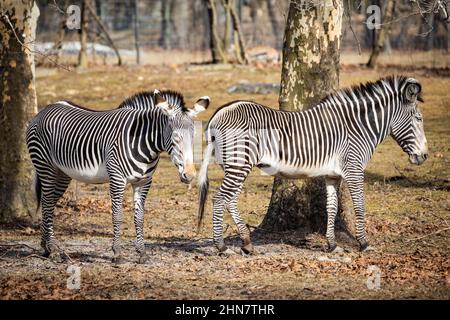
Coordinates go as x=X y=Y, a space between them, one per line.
x=366 y=114
x=147 y=135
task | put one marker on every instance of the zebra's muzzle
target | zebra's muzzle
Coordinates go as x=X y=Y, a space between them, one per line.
x=185 y=178
x=418 y=159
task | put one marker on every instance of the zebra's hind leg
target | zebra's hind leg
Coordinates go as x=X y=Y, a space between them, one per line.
x=244 y=232
x=226 y=197
x=140 y=194
x=332 y=207
x=53 y=187
x=218 y=208
x=116 y=190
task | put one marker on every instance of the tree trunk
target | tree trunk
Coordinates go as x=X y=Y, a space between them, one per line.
x=273 y=21
x=383 y=33
x=241 y=53
x=217 y=53
x=18 y=105
x=448 y=36
x=164 y=40
x=58 y=45
x=227 y=31
x=310 y=71
x=136 y=31
x=82 y=56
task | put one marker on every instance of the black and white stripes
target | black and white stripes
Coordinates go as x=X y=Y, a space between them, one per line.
x=119 y=146
x=335 y=139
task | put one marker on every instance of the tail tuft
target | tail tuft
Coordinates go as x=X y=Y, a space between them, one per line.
x=203 y=184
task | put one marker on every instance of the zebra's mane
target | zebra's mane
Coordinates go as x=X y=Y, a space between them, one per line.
x=394 y=83
x=146 y=100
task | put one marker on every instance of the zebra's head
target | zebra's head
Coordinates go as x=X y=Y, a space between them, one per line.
x=179 y=133
x=407 y=126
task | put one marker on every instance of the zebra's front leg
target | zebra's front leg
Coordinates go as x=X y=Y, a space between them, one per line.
x=140 y=194
x=116 y=190
x=332 y=185
x=356 y=188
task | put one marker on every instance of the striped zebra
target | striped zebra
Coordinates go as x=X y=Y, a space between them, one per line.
x=120 y=146
x=335 y=139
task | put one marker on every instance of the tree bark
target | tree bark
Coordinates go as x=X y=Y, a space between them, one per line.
x=310 y=71
x=383 y=33
x=217 y=53
x=18 y=106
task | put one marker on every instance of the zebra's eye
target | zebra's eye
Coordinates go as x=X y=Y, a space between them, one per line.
x=176 y=138
x=418 y=117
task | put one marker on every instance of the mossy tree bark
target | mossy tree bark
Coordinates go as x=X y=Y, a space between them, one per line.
x=310 y=71
x=17 y=106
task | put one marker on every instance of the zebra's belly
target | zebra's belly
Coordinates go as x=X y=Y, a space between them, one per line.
x=285 y=170
x=95 y=174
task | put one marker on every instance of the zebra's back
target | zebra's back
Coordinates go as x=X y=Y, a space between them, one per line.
x=291 y=144
x=76 y=140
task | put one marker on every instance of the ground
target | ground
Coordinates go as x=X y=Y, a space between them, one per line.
x=407 y=211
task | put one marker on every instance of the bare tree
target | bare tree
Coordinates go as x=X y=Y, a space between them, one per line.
x=383 y=33
x=17 y=106
x=136 y=31
x=104 y=31
x=217 y=52
x=310 y=70
x=166 y=26
x=82 y=55
x=273 y=20
x=239 y=45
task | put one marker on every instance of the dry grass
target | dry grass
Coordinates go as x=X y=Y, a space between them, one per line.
x=407 y=213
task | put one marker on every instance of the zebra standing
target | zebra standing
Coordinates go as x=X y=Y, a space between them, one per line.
x=335 y=139
x=119 y=146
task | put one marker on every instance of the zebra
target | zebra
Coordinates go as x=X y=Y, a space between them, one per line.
x=120 y=146
x=335 y=139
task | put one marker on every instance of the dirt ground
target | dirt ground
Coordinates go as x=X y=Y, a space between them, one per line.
x=407 y=212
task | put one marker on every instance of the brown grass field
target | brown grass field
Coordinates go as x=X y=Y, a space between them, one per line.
x=407 y=211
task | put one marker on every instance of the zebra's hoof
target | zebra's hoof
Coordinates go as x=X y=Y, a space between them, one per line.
x=331 y=247
x=118 y=260
x=57 y=257
x=368 y=249
x=247 y=249
x=142 y=259
x=337 y=249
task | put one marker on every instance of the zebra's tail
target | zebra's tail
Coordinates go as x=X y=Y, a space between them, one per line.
x=203 y=184
x=37 y=191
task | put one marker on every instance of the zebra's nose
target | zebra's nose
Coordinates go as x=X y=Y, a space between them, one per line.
x=186 y=178
x=425 y=156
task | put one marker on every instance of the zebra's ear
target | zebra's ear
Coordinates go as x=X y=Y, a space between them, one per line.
x=161 y=102
x=413 y=90
x=200 y=106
